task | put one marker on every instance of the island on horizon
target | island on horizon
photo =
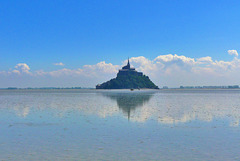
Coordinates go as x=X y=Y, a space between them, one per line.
x=128 y=78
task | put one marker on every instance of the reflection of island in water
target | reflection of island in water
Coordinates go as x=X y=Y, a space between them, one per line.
x=128 y=102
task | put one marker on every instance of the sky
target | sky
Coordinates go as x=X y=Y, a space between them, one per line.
x=83 y=43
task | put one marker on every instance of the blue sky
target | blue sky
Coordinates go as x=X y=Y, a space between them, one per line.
x=78 y=33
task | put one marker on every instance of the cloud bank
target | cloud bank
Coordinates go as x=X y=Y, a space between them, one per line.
x=165 y=70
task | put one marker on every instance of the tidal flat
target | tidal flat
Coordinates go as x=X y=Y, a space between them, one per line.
x=119 y=125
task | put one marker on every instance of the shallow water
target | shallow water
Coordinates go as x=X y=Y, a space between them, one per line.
x=119 y=125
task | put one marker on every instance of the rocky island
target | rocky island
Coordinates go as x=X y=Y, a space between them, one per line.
x=128 y=78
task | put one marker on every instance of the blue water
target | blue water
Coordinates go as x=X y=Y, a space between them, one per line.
x=119 y=125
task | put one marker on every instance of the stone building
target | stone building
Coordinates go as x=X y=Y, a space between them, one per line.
x=127 y=70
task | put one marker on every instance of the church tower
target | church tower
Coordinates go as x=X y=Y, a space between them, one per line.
x=127 y=66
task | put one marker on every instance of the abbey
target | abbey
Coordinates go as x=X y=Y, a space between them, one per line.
x=127 y=70
x=128 y=78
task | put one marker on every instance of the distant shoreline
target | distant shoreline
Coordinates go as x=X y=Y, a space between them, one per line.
x=161 y=89
x=164 y=88
x=50 y=88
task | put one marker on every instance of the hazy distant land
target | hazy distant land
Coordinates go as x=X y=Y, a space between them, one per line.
x=164 y=87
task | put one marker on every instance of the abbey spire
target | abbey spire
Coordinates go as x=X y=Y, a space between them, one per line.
x=128 y=64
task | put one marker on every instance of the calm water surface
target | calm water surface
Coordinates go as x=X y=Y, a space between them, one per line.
x=119 y=125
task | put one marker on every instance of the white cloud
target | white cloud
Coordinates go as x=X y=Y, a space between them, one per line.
x=97 y=70
x=233 y=52
x=205 y=60
x=59 y=64
x=21 y=68
x=100 y=68
x=175 y=58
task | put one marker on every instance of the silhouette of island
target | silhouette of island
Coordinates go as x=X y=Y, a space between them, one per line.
x=128 y=78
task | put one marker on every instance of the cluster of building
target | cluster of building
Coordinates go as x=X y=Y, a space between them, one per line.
x=127 y=70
